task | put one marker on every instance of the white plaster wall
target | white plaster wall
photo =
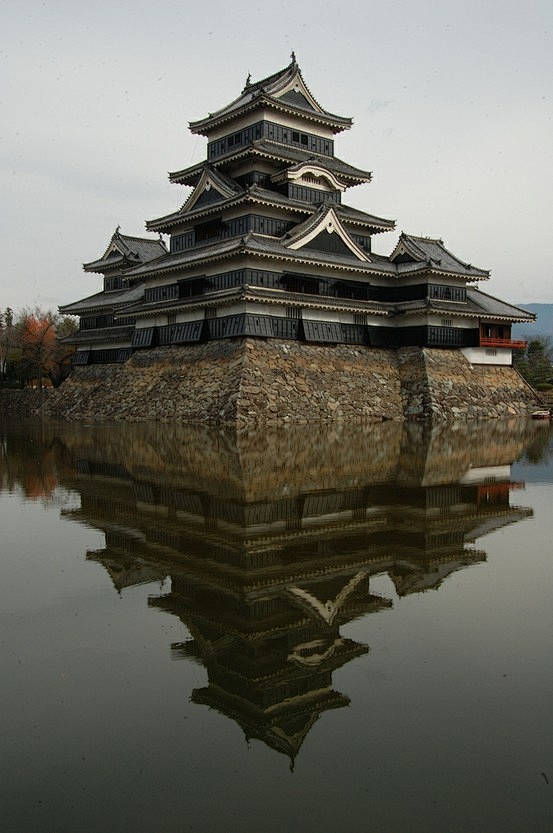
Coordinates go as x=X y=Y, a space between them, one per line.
x=151 y=321
x=327 y=315
x=192 y=315
x=484 y=355
x=486 y=475
x=424 y=320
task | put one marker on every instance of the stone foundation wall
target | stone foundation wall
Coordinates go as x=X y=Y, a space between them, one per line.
x=239 y=380
x=270 y=382
x=23 y=402
x=444 y=385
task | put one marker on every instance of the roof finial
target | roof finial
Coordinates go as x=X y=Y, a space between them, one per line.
x=248 y=79
x=117 y=229
x=293 y=56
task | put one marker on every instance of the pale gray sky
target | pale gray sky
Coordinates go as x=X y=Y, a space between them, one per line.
x=452 y=107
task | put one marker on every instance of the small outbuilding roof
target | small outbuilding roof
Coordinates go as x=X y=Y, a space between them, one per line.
x=124 y=251
x=411 y=253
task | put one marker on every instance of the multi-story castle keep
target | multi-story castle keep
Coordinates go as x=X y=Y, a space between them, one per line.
x=265 y=248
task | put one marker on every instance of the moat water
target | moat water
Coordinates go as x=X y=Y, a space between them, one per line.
x=341 y=628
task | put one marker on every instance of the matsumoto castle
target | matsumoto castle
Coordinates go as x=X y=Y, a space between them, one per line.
x=265 y=247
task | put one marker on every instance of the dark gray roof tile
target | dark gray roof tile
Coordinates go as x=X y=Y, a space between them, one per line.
x=494 y=307
x=111 y=334
x=267 y=90
x=124 y=250
x=432 y=253
x=279 y=152
x=104 y=301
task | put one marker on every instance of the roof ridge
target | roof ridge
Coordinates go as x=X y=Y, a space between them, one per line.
x=252 y=86
x=134 y=237
x=439 y=242
x=422 y=237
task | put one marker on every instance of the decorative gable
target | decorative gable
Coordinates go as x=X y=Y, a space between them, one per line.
x=324 y=232
x=211 y=188
x=116 y=246
x=296 y=93
x=311 y=174
x=406 y=252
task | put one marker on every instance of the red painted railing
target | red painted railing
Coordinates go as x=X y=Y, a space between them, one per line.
x=503 y=342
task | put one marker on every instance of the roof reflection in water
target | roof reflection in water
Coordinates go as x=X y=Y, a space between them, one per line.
x=270 y=539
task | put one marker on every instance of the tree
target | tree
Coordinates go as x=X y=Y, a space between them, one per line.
x=8 y=342
x=37 y=348
x=535 y=361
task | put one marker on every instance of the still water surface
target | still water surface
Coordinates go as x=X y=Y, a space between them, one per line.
x=334 y=629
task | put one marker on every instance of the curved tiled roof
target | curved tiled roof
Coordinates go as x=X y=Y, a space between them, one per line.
x=124 y=250
x=269 y=149
x=274 y=91
x=478 y=304
x=494 y=307
x=264 y=196
x=254 y=244
x=429 y=252
x=104 y=300
x=112 y=334
x=246 y=292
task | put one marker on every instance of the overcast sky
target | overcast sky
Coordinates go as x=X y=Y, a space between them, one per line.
x=452 y=108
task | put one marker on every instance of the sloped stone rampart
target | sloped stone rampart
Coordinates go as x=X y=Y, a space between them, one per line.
x=442 y=384
x=237 y=380
x=270 y=382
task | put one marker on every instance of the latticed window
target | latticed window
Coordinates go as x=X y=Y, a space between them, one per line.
x=273 y=131
x=447 y=293
x=445 y=337
x=161 y=293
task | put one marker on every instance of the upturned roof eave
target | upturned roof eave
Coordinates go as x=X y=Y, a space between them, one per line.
x=270 y=86
x=424 y=309
x=469 y=312
x=279 y=297
x=216 y=207
x=91 y=304
x=111 y=334
x=128 y=250
x=190 y=176
x=241 y=247
x=418 y=248
x=525 y=315
x=425 y=268
x=101 y=266
x=204 y=126
x=101 y=301
x=376 y=224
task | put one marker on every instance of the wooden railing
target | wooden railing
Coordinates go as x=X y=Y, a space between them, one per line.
x=503 y=342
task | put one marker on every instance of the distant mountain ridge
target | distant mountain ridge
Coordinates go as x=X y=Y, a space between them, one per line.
x=543 y=325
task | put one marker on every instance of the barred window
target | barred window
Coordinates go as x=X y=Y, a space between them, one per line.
x=273 y=131
x=447 y=293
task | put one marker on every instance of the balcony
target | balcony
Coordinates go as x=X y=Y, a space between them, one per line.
x=503 y=342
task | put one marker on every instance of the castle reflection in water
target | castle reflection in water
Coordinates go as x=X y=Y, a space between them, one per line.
x=270 y=537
